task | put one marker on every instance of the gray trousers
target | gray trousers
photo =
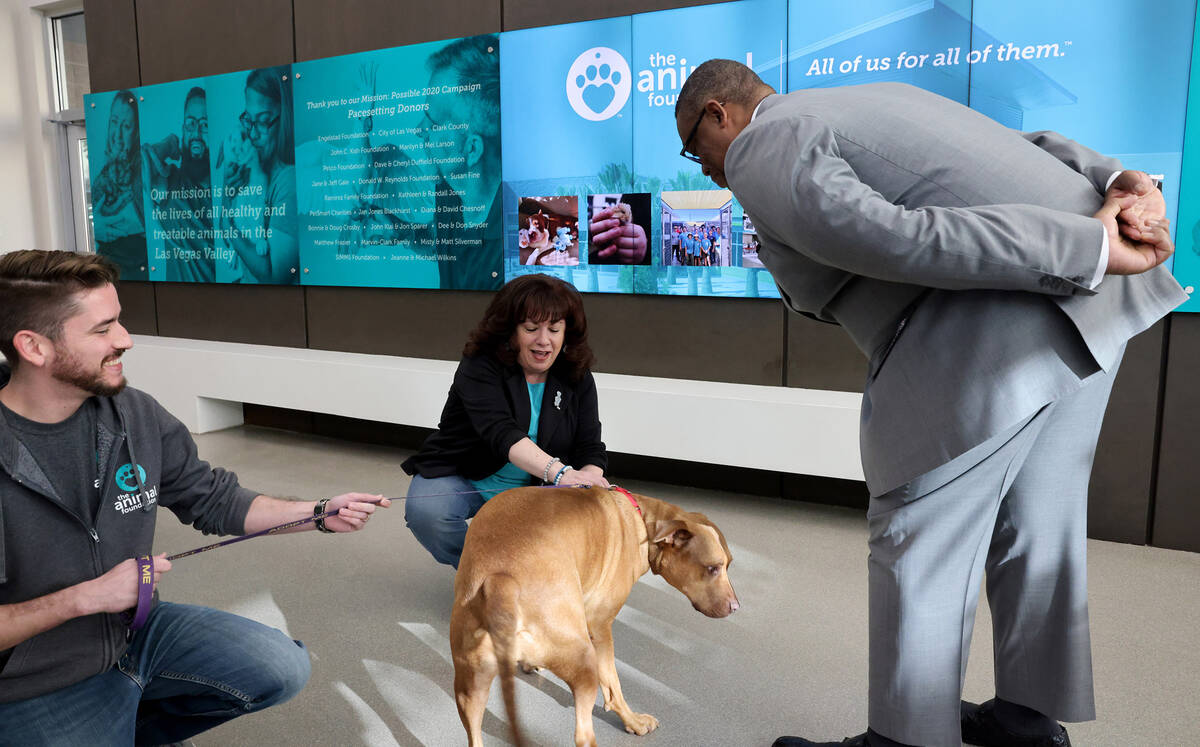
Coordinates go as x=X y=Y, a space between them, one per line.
x=1015 y=507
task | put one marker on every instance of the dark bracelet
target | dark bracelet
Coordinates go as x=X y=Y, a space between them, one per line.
x=319 y=522
x=558 y=477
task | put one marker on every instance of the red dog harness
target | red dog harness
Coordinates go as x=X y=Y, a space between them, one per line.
x=628 y=495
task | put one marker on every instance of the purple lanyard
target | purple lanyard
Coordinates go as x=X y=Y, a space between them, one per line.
x=136 y=619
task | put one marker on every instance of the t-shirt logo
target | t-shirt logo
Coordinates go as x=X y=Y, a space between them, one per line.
x=125 y=477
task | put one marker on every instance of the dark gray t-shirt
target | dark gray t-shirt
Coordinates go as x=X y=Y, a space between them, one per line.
x=66 y=452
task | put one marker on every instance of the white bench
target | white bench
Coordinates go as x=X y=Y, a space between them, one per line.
x=803 y=431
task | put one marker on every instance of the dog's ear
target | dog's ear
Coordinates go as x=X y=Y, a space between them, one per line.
x=672 y=531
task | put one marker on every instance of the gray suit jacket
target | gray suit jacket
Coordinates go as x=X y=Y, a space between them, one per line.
x=952 y=249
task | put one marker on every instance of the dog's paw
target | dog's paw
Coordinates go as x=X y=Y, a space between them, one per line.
x=527 y=668
x=640 y=724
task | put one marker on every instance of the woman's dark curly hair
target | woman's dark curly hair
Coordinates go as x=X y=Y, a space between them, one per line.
x=538 y=298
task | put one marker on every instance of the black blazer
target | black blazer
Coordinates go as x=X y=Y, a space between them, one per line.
x=488 y=411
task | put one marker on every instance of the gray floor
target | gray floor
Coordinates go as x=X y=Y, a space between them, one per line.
x=374 y=610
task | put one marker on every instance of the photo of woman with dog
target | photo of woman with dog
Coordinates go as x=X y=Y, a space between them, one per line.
x=522 y=410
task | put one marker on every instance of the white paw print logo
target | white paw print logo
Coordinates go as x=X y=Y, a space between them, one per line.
x=598 y=83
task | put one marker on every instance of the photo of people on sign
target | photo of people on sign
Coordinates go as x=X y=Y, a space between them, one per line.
x=178 y=175
x=115 y=163
x=697 y=224
x=548 y=232
x=619 y=229
x=250 y=119
x=398 y=166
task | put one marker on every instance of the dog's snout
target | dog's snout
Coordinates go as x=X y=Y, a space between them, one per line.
x=720 y=609
x=728 y=608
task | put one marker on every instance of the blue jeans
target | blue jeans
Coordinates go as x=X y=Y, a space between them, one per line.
x=190 y=669
x=438 y=520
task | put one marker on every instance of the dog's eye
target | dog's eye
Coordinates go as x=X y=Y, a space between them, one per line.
x=713 y=570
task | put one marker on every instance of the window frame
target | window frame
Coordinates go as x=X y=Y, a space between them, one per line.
x=72 y=182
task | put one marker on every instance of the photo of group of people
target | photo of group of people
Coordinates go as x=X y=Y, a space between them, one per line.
x=697 y=228
x=695 y=245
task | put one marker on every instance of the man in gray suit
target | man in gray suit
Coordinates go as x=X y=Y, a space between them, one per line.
x=992 y=278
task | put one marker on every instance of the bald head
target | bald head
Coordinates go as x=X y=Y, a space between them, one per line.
x=724 y=80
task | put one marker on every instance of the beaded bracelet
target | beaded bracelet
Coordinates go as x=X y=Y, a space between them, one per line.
x=549 y=464
x=561 y=472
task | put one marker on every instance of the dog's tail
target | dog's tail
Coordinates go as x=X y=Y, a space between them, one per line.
x=501 y=594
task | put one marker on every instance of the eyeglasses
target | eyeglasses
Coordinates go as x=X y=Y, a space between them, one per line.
x=194 y=123
x=261 y=124
x=684 y=150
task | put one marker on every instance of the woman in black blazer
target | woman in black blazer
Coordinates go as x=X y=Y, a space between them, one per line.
x=522 y=410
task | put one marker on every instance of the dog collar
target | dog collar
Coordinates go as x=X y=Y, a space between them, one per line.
x=628 y=495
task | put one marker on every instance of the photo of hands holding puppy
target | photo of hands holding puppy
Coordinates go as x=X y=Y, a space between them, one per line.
x=619 y=229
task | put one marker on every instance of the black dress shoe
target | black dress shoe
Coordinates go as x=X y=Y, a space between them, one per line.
x=980 y=727
x=859 y=741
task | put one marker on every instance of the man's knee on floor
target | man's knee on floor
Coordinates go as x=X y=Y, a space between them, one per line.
x=285 y=667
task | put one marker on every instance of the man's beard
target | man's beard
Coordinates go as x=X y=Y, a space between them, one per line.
x=195 y=168
x=115 y=150
x=71 y=370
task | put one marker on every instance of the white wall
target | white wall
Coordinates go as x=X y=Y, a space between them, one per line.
x=29 y=206
x=806 y=431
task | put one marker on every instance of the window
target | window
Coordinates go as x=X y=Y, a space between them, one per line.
x=70 y=79
x=70 y=61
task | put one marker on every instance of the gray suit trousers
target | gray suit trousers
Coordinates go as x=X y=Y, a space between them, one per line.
x=1015 y=507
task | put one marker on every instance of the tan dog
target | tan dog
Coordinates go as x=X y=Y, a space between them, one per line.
x=544 y=572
